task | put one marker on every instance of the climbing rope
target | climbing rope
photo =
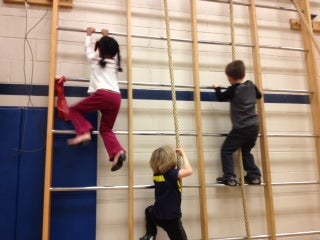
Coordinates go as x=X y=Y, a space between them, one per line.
x=173 y=91
x=243 y=190
x=233 y=42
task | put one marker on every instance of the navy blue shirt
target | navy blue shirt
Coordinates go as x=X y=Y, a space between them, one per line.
x=243 y=98
x=167 y=195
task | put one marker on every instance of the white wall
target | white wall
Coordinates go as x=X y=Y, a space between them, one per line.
x=297 y=208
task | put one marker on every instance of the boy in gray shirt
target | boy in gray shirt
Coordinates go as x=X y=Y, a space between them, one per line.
x=245 y=125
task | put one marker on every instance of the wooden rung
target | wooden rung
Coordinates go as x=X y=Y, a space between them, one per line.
x=62 y=3
x=295 y=24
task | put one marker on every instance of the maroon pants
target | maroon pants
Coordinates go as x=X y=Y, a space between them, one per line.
x=108 y=103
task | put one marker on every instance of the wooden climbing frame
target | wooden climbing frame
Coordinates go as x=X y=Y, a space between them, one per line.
x=313 y=81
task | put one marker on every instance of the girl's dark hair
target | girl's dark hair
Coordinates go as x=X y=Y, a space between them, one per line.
x=108 y=48
x=236 y=69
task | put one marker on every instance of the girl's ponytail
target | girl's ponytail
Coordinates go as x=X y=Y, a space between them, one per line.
x=119 y=61
x=102 y=62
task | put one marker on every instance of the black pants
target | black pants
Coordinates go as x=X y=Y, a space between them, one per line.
x=173 y=227
x=244 y=138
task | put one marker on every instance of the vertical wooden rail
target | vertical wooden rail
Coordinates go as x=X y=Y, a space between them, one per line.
x=305 y=19
x=50 y=125
x=199 y=132
x=312 y=75
x=130 y=120
x=263 y=129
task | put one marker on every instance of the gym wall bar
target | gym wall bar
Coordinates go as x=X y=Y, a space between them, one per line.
x=185 y=40
x=189 y=86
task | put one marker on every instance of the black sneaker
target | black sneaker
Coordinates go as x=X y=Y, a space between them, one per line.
x=229 y=181
x=252 y=180
x=148 y=237
x=119 y=164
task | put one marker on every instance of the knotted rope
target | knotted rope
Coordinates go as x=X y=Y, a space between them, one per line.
x=243 y=190
x=173 y=90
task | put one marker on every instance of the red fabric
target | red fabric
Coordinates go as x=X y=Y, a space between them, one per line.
x=62 y=105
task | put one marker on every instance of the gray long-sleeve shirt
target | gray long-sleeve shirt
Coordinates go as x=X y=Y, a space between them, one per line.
x=243 y=98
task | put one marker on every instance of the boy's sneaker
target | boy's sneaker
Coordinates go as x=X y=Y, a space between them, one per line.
x=147 y=237
x=229 y=181
x=252 y=180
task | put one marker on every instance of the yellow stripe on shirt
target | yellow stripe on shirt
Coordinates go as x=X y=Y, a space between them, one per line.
x=159 y=178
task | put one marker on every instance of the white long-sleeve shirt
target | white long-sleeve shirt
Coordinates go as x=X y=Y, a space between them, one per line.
x=101 y=78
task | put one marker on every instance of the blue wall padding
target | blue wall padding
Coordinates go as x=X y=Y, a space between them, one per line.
x=31 y=173
x=74 y=166
x=22 y=161
x=10 y=121
x=74 y=212
x=73 y=216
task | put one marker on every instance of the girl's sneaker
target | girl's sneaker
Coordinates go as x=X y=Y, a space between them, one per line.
x=229 y=181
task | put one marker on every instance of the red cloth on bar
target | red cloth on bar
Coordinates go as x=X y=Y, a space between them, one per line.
x=62 y=105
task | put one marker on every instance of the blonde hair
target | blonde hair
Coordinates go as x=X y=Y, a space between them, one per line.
x=163 y=159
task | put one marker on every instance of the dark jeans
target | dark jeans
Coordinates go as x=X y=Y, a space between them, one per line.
x=173 y=227
x=244 y=138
